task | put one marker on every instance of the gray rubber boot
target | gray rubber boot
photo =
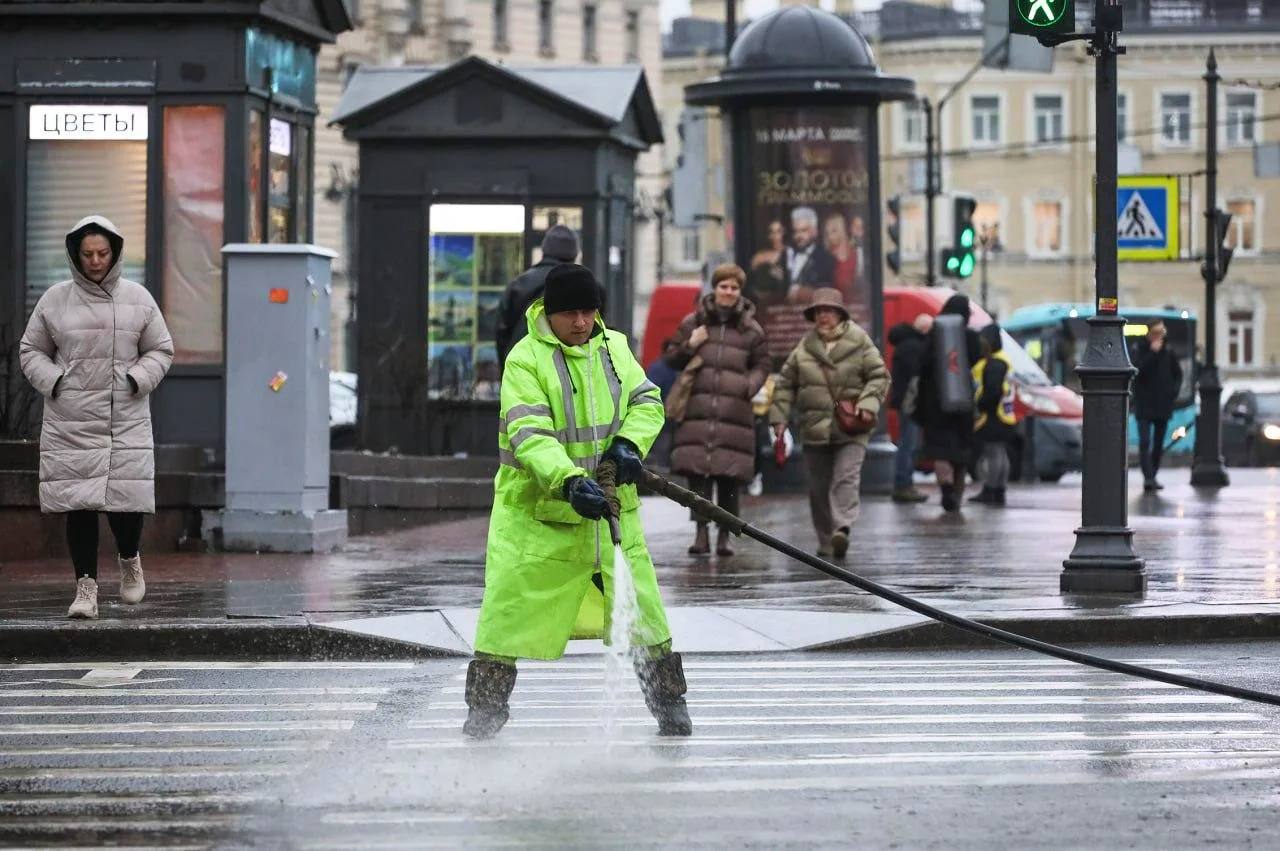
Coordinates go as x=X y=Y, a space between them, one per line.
x=489 y=684
x=662 y=682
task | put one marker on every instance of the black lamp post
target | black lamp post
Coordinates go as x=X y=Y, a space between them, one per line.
x=1103 y=560
x=1207 y=469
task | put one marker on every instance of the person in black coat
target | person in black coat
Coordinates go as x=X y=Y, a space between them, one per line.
x=1154 y=392
x=996 y=425
x=908 y=340
x=948 y=436
x=559 y=245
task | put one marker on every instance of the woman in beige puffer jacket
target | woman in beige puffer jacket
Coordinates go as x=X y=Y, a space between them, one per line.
x=95 y=348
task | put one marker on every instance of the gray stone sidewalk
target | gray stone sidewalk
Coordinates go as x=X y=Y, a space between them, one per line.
x=1213 y=564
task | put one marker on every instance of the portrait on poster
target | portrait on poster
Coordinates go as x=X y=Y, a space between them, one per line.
x=808 y=210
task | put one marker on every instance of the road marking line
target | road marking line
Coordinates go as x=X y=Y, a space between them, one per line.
x=780 y=678
x=217 y=799
x=162 y=665
x=803 y=663
x=372 y=691
x=704 y=741
x=999 y=700
x=924 y=757
x=179 y=708
x=132 y=749
x=854 y=689
x=157 y=772
x=164 y=727
x=836 y=720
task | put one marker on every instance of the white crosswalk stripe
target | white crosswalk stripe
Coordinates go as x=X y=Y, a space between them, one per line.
x=166 y=754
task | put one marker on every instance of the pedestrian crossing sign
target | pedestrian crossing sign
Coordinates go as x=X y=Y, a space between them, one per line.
x=1147 y=212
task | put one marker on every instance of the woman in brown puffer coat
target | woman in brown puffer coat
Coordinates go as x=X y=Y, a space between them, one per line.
x=716 y=439
x=95 y=347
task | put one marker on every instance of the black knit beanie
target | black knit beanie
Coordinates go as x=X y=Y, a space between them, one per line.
x=571 y=287
x=560 y=243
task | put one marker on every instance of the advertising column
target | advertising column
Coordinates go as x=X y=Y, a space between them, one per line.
x=807 y=214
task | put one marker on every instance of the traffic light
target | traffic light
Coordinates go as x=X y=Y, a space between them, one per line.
x=1221 y=223
x=959 y=260
x=894 y=225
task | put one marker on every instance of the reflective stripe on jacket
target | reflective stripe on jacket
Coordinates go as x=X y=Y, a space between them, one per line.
x=560 y=408
x=1003 y=406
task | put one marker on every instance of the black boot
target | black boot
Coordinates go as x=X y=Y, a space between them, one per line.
x=489 y=684
x=663 y=685
x=986 y=495
x=950 y=498
x=997 y=497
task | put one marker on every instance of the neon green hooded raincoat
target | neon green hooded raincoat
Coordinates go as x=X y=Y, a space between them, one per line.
x=560 y=408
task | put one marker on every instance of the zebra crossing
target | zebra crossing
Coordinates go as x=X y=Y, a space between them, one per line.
x=981 y=749
x=159 y=754
x=803 y=749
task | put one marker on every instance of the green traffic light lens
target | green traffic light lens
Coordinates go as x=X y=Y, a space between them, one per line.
x=966 y=238
x=966 y=266
x=953 y=263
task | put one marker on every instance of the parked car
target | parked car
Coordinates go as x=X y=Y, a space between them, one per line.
x=342 y=410
x=1251 y=424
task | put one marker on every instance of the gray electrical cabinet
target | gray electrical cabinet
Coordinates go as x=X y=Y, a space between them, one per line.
x=277 y=411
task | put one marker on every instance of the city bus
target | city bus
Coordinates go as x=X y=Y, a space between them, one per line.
x=1056 y=335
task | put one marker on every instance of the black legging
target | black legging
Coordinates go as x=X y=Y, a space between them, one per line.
x=726 y=492
x=82 y=538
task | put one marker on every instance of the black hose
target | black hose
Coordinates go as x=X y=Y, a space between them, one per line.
x=711 y=512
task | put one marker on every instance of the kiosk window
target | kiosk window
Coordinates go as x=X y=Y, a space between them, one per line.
x=254 y=150
x=280 y=198
x=474 y=252
x=193 y=208
x=70 y=179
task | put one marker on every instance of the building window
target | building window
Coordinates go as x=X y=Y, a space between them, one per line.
x=1242 y=115
x=1046 y=228
x=912 y=125
x=353 y=9
x=911 y=230
x=280 y=195
x=985 y=112
x=1049 y=118
x=416 y=25
x=690 y=246
x=66 y=180
x=986 y=218
x=1240 y=338
x=1122 y=117
x=193 y=236
x=500 y=25
x=589 y=33
x=1175 y=118
x=546 y=17
x=633 y=35
x=1242 y=232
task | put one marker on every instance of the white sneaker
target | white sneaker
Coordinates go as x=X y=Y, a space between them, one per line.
x=132 y=587
x=757 y=485
x=86 y=602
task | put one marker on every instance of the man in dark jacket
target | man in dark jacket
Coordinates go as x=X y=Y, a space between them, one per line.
x=559 y=245
x=1154 y=392
x=948 y=435
x=908 y=341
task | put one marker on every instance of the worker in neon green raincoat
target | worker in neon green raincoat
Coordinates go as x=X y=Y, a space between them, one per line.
x=572 y=395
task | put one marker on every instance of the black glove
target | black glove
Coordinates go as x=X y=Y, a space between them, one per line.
x=624 y=454
x=586 y=497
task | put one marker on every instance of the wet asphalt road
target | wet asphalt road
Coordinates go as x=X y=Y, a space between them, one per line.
x=909 y=750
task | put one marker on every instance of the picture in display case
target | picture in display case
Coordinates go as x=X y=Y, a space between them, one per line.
x=475 y=250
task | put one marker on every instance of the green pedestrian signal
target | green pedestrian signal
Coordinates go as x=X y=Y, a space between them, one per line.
x=1039 y=17
x=959 y=261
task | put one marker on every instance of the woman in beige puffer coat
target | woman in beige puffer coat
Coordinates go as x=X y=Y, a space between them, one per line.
x=95 y=348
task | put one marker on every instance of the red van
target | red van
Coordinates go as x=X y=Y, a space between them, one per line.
x=670 y=302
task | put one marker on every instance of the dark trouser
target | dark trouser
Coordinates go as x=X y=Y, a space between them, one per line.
x=82 y=538
x=1151 y=446
x=726 y=493
x=996 y=459
x=904 y=463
